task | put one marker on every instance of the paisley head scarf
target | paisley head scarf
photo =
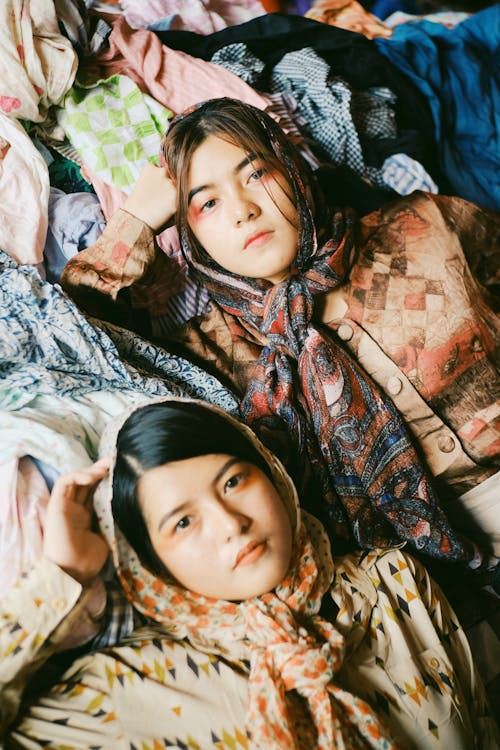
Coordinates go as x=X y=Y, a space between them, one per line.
x=357 y=468
x=289 y=648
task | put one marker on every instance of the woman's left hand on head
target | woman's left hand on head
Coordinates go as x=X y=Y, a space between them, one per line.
x=69 y=539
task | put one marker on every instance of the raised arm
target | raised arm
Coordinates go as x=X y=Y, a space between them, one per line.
x=153 y=199
x=69 y=539
x=37 y=614
x=99 y=277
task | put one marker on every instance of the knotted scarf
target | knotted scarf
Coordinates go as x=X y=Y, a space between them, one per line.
x=364 y=478
x=293 y=653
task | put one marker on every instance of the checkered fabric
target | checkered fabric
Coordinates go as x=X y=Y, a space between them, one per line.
x=405 y=175
x=115 y=127
x=330 y=115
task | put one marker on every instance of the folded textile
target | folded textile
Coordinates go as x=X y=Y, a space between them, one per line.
x=458 y=71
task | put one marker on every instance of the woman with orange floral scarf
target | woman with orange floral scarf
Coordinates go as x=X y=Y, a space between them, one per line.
x=252 y=635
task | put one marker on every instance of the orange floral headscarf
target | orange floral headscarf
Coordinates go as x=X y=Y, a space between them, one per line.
x=292 y=652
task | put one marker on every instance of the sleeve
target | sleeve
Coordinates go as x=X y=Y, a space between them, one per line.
x=36 y=615
x=101 y=278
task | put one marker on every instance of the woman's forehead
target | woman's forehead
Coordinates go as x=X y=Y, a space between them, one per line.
x=218 y=155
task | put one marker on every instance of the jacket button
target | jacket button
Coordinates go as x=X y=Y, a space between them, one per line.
x=433 y=662
x=446 y=443
x=345 y=332
x=58 y=604
x=394 y=385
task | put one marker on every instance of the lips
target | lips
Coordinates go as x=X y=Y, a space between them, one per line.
x=257 y=238
x=250 y=553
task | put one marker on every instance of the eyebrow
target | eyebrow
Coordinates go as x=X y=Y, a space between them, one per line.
x=179 y=508
x=243 y=163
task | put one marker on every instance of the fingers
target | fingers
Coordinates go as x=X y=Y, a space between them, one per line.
x=78 y=486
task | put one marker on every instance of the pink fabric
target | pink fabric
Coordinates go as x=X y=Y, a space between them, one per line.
x=202 y=16
x=110 y=197
x=23 y=501
x=173 y=78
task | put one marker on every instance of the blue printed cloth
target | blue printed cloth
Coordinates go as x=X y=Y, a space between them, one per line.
x=48 y=347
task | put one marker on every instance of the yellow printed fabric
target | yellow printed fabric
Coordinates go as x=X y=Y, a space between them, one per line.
x=146 y=691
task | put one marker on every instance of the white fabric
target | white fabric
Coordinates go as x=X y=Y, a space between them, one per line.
x=37 y=63
x=483 y=504
x=24 y=194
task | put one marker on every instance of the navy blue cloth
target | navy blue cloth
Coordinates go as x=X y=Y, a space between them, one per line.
x=458 y=70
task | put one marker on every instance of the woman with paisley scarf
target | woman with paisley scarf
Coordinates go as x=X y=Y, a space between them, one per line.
x=257 y=233
x=251 y=635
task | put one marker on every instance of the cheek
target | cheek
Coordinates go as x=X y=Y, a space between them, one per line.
x=205 y=228
x=282 y=196
x=187 y=554
x=196 y=216
x=178 y=564
x=286 y=214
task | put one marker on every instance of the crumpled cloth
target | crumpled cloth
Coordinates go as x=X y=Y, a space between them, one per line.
x=38 y=63
x=24 y=194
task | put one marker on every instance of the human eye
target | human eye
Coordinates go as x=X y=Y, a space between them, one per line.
x=257 y=174
x=207 y=205
x=182 y=524
x=234 y=481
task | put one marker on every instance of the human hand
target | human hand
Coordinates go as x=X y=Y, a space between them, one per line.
x=68 y=538
x=154 y=198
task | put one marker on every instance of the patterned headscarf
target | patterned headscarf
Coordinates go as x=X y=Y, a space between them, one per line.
x=291 y=651
x=364 y=478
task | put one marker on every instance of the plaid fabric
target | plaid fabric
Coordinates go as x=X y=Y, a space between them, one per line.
x=373 y=112
x=324 y=102
x=285 y=109
x=120 y=620
x=404 y=175
x=329 y=115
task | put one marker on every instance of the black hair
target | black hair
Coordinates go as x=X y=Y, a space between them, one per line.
x=159 y=434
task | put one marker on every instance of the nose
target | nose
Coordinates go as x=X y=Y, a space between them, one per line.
x=245 y=213
x=229 y=521
x=244 y=208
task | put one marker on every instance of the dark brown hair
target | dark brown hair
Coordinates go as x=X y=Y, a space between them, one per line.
x=238 y=123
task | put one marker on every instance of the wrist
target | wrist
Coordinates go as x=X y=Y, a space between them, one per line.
x=85 y=577
x=141 y=213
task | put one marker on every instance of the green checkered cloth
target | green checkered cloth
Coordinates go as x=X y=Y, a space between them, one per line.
x=115 y=128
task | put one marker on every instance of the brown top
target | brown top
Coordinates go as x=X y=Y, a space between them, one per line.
x=411 y=313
